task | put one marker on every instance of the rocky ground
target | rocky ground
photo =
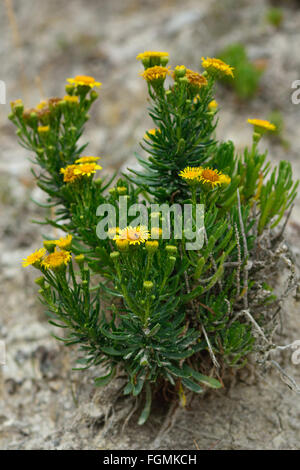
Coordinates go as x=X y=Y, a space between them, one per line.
x=43 y=403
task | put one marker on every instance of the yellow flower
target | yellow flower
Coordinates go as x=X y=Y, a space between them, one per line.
x=181 y=69
x=195 y=78
x=191 y=173
x=87 y=159
x=155 y=73
x=151 y=58
x=122 y=243
x=43 y=104
x=261 y=125
x=151 y=132
x=151 y=246
x=34 y=259
x=213 y=178
x=71 y=99
x=64 y=243
x=134 y=235
x=86 y=169
x=213 y=105
x=217 y=67
x=69 y=175
x=16 y=104
x=121 y=190
x=43 y=129
x=84 y=80
x=150 y=54
x=57 y=259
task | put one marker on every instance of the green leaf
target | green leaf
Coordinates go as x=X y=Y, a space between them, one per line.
x=105 y=379
x=204 y=379
x=146 y=411
x=178 y=372
x=192 y=386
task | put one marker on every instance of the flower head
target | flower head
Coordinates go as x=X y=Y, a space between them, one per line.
x=156 y=73
x=213 y=178
x=148 y=54
x=71 y=99
x=134 y=235
x=262 y=126
x=122 y=243
x=17 y=105
x=53 y=102
x=151 y=246
x=86 y=169
x=212 y=105
x=87 y=159
x=43 y=129
x=217 y=67
x=64 y=243
x=34 y=259
x=69 y=175
x=195 y=78
x=57 y=260
x=151 y=58
x=84 y=80
x=179 y=71
x=43 y=104
x=191 y=173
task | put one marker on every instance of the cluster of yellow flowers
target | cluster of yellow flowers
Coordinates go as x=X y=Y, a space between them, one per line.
x=44 y=109
x=84 y=166
x=206 y=176
x=155 y=70
x=217 y=67
x=56 y=259
x=136 y=236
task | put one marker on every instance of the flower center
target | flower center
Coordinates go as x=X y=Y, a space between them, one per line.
x=133 y=235
x=210 y=175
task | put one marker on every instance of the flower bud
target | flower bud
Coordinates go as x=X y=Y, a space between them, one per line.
x=40 y=281
x=94 y=95
x=122 y=244
x=98 y=181
x=70 y=89
x=79 y=259
x=179 y=71
x=114 y=255
x=122 y=190
x=146 y=62
x=148 y=285
x=171 y=249
x=151 y=246
x=183 y=80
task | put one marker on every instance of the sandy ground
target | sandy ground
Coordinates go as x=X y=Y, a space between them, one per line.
x=43 y=403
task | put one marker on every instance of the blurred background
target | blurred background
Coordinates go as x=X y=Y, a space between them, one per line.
x=43 y=404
